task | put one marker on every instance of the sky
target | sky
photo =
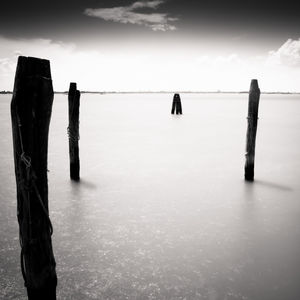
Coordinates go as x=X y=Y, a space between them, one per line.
x=155 y=45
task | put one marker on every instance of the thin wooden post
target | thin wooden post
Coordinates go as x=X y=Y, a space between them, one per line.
x=73 y=131
x=173 y=105
x=31 y=108
x=179 y=106
x=254 y=95
x=176 y=105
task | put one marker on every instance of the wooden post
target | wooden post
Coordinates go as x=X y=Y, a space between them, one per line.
x=179 y=107
x=176 y=105
x=173 y=105
x=31 y=108
x=254 y=95
x=73 y=131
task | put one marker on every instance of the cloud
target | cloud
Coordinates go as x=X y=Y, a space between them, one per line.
x=57 y=52
x=148 y=4
x=145 y=67
x=287 y=55
x=220 y=61
x=6 y=66
x=128 y=15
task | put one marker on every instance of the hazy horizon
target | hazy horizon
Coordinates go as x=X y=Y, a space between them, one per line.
x=162 y=92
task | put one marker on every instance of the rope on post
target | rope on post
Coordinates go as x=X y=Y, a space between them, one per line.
x=73 y=131
x=28 y=185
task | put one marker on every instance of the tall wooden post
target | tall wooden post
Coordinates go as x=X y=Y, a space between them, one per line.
x=73 y=131
x=176 y=105
x=31 y=108
x=254 y=95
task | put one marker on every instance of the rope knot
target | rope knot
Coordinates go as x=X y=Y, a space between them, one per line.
x=26 y=160
x=73 y=134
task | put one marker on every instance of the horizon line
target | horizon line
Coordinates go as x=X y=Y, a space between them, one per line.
x=163 y=92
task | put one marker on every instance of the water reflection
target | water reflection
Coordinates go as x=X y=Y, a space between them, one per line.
x=273 y=185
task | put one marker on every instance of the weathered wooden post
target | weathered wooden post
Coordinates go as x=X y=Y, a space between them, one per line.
x=254 y=95
x=73 y=131
x=179 y=107
x=173 y=105
x=176 y=105
x=31 y=108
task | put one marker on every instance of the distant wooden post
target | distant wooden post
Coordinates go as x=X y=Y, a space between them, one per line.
x=31 y=108
x=176 y=105
x=73 y=131
x=254 y=95
x=179 y=106
x=173 y=106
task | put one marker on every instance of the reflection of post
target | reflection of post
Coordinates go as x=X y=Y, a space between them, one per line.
x=73 y=131
x=176 y=105
x=31 y=108
x=254 y=95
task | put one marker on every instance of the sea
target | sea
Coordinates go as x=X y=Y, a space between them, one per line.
x=162 y=210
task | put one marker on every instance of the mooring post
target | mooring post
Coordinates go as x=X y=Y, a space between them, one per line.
x=254 y=95
x=179 y=106
x=176 y=105
x=73 y=131
x=31 y=108
x=173 y=105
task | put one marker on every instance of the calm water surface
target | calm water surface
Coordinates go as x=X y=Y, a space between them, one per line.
x=162 y=210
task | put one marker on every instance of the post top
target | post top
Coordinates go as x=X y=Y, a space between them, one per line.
x=33 y=66
x=73 y=85
x=254 y=84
